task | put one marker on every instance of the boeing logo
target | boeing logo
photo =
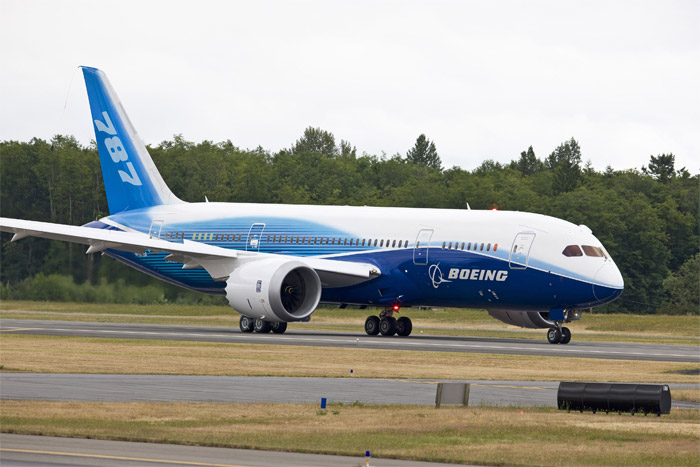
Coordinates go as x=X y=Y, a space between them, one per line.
x=436 y=275
x=478 y=274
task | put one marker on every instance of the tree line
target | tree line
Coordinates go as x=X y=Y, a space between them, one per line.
x=648 y=217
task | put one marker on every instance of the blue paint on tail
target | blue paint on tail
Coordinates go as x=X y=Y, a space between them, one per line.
x=130 y=176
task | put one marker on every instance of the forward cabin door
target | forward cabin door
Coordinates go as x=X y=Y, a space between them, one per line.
x=420 y=249
x=520 y=251
x=254 y=237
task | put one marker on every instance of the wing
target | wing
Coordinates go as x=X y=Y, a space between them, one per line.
x=219 y=262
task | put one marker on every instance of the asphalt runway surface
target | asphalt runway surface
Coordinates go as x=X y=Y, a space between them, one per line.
x=603 y=350
x=25 y=451
x=244 y=389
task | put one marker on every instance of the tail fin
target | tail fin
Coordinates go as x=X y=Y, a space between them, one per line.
x=131 y=179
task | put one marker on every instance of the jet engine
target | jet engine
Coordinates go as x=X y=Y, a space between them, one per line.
x=524 y=319
x=276 y=289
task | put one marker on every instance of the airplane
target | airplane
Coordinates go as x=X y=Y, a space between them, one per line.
x=276 y=263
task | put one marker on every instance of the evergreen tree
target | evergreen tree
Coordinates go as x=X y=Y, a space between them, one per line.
x=318 y=141
x=565 y=161
x=528 y=163
x=661 y=167
x=424 y=153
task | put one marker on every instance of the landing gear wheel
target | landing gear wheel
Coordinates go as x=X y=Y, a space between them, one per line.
x=404 y=326
x=372 y=325
x=554 y=335
x=262 y=326
x=387 y=326
x=246 y=324
x=279 y=328
x=565 y=336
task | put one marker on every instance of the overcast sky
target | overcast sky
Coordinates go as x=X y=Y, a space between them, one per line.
x=481 y=79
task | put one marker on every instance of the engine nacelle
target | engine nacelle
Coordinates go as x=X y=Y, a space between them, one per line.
x=524 y=319
x=275 y=289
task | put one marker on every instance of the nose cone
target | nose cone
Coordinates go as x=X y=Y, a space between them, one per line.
x=608 y=283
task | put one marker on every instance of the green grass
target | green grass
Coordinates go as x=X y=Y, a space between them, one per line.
x=665 y=329
x=474 y=435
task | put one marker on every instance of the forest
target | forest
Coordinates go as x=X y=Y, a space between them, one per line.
x=647 y=217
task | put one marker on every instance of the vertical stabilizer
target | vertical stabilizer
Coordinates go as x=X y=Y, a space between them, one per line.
x=131 y=179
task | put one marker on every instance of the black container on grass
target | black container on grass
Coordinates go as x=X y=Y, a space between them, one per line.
x=614 y=397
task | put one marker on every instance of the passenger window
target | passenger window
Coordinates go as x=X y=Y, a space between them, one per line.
x=495 y=247
x=488 y=247
x=375 y=242
x=393 y=244
x=443 y=245
x=592 y=251
x=572 y=250
x=462 y=246
x=381 y=243
x=469 y=246
x=482 y=247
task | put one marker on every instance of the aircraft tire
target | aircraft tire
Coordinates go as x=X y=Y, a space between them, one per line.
x=553 y=335
x=261 y=326
x=404 y=326
x=246 y=324
x=372 y=325
x=565 y=336
x=387 y=326
x=279 y=328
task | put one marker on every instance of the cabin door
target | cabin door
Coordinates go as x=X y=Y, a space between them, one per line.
x=156 y=227
x=520 y=251
x=254 y=237
x=420 y=250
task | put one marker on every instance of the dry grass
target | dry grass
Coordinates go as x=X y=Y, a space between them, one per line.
x=690 y=395
x=50 y=354
x=494 y=436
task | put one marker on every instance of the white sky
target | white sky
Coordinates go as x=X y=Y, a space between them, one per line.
x=481 y=79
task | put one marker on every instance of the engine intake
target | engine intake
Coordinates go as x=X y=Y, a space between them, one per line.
x=274 y=289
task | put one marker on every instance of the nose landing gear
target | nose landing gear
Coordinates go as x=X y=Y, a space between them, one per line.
x=558 y=335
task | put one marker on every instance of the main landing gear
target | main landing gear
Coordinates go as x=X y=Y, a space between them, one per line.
x=558 y=334
x=260 y=326
x=386 y=325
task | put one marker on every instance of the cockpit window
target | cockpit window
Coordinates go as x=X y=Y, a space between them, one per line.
x=572 y=250
x=592 y=251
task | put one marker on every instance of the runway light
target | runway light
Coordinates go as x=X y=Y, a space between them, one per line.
x=494 y=209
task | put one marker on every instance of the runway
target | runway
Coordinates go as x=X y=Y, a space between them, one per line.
x=602 y=350
x=24 y=451
x=240 y=389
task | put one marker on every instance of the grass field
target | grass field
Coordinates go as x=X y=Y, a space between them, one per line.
x=476 y=435
x=28 y=353
x=460 y=322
